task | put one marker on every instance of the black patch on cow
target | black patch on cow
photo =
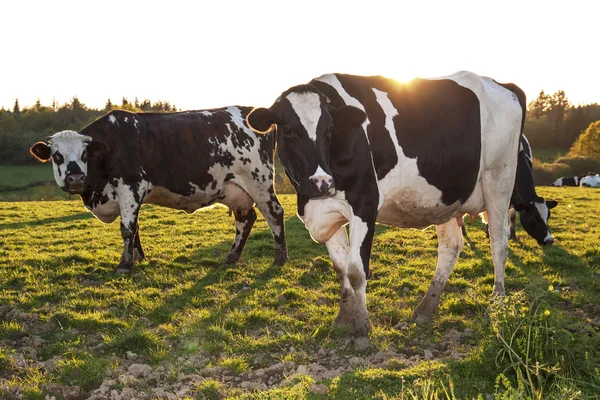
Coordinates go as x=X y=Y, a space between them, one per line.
x=380 y=141
x=58 y=158
x=73 y=168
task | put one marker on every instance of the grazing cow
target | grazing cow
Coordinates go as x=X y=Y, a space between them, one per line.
x=365 y=149
x=534 y=211
x=590 y=180
x=185 y=160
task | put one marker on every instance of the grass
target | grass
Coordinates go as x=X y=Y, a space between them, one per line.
x=56 y=264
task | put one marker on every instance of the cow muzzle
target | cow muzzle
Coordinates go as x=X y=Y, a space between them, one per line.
x=322 y=185
x=74 y=183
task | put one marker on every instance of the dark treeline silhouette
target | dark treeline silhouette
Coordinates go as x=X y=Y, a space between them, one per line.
x=21 y=127
x=552 y=122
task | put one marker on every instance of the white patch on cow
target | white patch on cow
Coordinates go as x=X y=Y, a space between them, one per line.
x=206 y=113
x=558 y=182
x=321 y=174
x=108 y=211
x=112 y=119
x=590 y=181
x=308 y=108
x=323 y=217
x=136 y=124
x=527 y=150
x=235 y=112
x=543 y=210
x=126 y=119
x=576 y=181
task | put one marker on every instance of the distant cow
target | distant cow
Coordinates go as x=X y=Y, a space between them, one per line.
x=567 y=181
x=365 y=149
x=185 y=160
x=534 y=211
x=590 y=180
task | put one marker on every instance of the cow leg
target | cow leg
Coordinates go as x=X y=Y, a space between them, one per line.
x=243 y=225
x=138 y=252
x=361 y=240
x=498 y=228
x=272 y=211
x=512 y=220
x=450 y=244
x=129 y=205
x=337 y=246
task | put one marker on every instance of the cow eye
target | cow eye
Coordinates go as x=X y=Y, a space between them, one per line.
x=84 y=155
x=287 y=130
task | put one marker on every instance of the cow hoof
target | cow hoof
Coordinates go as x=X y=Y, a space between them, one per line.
x=231 y=259
x=362 y=343
x=122 y=269
x=138 y=256
x=280 y=260
x=421 y=319
x=342 y=321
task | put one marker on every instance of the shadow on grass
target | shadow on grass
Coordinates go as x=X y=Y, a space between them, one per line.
x=66 y=218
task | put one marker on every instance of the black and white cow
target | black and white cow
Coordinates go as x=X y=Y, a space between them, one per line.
x=365 y=149
x=185 y=160
x=590 y=180
x=534 y=211
x=566 y=181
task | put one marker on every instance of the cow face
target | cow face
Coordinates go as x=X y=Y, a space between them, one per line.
x=70 y=152
x=534 y=219
x=305 y=123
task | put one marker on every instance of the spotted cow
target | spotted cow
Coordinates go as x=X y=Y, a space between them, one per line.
x=184 y=160
x=361 y=150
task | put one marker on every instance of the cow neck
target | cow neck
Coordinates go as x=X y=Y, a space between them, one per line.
x=524 y=190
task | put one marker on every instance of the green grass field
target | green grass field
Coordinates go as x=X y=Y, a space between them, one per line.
x=202 y=330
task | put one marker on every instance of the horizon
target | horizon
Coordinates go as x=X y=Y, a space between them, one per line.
x=199 y=56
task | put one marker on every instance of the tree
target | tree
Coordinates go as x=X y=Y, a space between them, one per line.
x=588 y=143
x=16 y=108
x=108 y=106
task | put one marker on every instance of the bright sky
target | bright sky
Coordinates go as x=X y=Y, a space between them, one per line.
x=213 y=53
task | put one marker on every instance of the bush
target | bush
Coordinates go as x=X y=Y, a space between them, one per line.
x=547 y=173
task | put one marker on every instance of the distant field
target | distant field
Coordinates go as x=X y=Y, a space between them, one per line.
x=184 y=324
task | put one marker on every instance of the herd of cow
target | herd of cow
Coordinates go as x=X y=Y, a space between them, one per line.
x=358 y=150
x=588 y=180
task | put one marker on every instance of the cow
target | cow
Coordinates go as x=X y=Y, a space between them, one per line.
x=534 y=211
x=365 y=149
x=182 y=160
x=567 y=181
x=590 y=180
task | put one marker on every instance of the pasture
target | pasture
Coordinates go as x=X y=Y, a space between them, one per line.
x=185 y=326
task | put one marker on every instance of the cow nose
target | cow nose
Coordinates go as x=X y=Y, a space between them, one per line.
x=549 y=240
x=75 y=179
x=323 y=183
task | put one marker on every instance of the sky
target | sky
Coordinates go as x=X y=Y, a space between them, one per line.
x=215 y=53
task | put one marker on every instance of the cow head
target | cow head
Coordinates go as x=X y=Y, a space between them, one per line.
x=305 y=123
x=70 y=152
x=534 y=218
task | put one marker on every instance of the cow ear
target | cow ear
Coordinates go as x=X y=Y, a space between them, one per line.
x=261 y=120
x=551 y=204
x=97 y=148
x=41 y=151
x=347 y=117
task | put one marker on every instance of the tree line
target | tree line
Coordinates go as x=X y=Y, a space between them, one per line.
x=552 y=122
x=21 y=127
